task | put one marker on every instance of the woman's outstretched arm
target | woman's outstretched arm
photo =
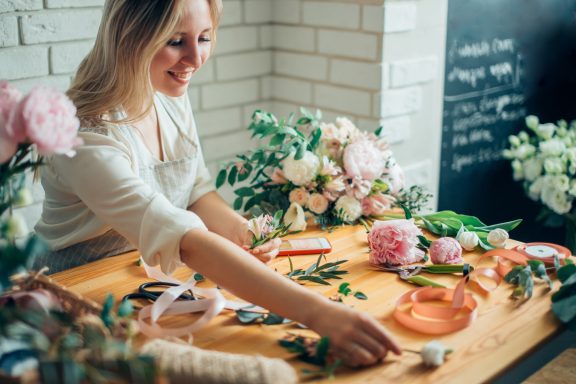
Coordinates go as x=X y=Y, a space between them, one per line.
x=355 y=337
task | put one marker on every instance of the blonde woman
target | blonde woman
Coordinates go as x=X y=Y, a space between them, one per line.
x=139 y=180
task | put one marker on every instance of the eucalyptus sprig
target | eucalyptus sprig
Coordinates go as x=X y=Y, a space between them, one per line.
x=345 y=290
x=314 y=351
x=523 y=278
x=564 y=300
x=317 y=272
x=255 y=315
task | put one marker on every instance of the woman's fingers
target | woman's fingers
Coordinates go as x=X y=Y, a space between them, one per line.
x=355 y=355
x=267 y=251
x=378 y=332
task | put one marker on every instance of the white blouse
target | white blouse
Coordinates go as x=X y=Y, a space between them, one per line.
x=113 y=183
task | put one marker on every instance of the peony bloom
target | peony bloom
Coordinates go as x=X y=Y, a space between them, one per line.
x=445 y=250
x=497 y=237
x=359 y=188
x=317 y=203
x=347 y=128
x=299 y=196
x=468 y=240
x=48 y=119
x=295 y=217
x=303 y=171
x=349 y=208
x=363 y=159
x=433 y=353
x=394 y=242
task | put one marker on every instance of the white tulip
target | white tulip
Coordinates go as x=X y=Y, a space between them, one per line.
x=295 y=217
x=497 y=237
x=468 y=240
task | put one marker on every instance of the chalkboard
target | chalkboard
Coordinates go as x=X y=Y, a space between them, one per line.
x=505 y=59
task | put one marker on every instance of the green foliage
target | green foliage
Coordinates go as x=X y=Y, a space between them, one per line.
x=564 y=300
x=345 y=290
x=312 y=351
x=248 y=316
x=318 y=272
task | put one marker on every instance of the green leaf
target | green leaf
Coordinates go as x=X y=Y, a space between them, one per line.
x=274 y=319
x=106 y=314
x=565 y=272
x=512 y=277
x=238 y=203
x=507 y=226
x=360 y=295
x=198 y=277
x=244 y=192
x=322 y=349
x=565 y=309
x=314 y=279
x=277 y=139
x=378 y=131
x=248 y=317
x=300 y=152
x=424 y=241
x=125 y=308
x=232 y=175
x=221 y=178
x=246 y=173
x=328 y=275
x=343 y=289
x=315 y=138
x=407 y=212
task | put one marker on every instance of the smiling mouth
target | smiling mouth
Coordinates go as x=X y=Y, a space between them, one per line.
x=181 y=75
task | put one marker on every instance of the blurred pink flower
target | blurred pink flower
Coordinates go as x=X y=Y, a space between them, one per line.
x=394 y=242
x=377 y=204
x=445 y=250
x=277 y=176
x=394 y=177
x=299 y=196
x=358 y=188
x=9 y=97
x=328 y=167
x=48 y=119
x=317 y=203
x=363 y=159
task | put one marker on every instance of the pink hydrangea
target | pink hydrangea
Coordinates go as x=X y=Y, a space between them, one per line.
x=394 y=242
x=46 y=118
x=363 y=159
x=446 y=250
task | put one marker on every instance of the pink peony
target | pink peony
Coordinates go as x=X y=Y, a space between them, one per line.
x=9 y=97
x=376 y=204
x=363 y=159
x=394 y=242
x=445 y=250
x=46 y=118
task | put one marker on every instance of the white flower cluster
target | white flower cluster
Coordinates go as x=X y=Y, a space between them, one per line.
x=545 y=160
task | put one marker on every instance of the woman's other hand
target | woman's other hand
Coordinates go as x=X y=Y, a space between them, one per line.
x=265 y=252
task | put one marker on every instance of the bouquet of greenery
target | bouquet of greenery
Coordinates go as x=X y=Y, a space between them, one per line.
x=544 y=160
x=332 y=171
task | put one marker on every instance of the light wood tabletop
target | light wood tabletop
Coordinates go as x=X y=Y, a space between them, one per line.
x=504 y=332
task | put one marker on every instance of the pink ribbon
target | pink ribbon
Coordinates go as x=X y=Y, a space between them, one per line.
x=212 y=304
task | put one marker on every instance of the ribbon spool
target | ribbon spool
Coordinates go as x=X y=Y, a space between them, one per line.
x=544 y=252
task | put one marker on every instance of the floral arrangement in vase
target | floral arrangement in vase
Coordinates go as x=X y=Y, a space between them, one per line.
x=332 y=171
x=543 y=158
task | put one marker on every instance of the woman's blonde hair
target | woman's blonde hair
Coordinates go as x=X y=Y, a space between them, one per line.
x=116 y=73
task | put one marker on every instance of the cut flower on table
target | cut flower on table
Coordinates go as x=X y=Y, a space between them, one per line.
x=265 y=228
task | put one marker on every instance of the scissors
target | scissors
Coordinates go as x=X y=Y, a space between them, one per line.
x=146 y=291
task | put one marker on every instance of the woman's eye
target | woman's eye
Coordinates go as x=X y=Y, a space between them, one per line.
x=204 y=39
x=174 y=43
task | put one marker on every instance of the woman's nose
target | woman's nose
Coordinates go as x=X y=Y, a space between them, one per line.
x=193 y=57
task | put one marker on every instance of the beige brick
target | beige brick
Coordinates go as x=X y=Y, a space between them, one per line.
x=60 y=83
x=399 y=101
x=231 y=13
x=60 y=26
x=237 y=39
x=396 y=129
x=218 y=121
x=228 y=94
x=225 y=146
x=301 y=65
x=194 y=96
x=356 y=74
x=349 y=44
x=65 y=58
x=337 y=15
x=20 y=5
x=410 y=72
x=400 y=16
x=23 y=62
x=244 y=65
x=8 y=31
x=373 y=18
x=297 y=91
x=205 y=74
x=266 y=38
x=293 y=38
x=257 y=11
x=343 y=99
x=265 y=87
x=74 y=3
x=286 y=11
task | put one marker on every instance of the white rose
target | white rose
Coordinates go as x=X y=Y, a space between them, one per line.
x=524 y=151
x=532 y=168
x=545 y=131
x=517 y=170
x=497 y=237
x=535 y=189
x=559 y=182
x=349 y=208
x=294 y=217
x=524 y=137
x=554 y=165
x=299 y=196
x=317 y=203
x=301 y=171
x=572 y=190
x=468 y=240
x=532 y=122
x=556 y=200
x=514 y=141
x=552 y=147
x=433 y=353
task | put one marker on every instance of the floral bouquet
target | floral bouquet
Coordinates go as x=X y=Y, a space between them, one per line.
x=544 y=159
x=331 y=171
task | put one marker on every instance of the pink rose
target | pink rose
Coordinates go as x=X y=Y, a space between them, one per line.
x=317 y=203
x=363 y=159
x=394 y=242
x=299 y=196
x=48 y=119
x=9 y=97
x=446 y=250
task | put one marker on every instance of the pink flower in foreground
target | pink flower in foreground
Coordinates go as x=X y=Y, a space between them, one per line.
x=394 y=242
x=48 y=119
x=9 y=97
x=363 y=159
x=445 y=250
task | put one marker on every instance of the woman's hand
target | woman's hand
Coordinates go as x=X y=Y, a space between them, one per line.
x=355 y=337
x=265 y=252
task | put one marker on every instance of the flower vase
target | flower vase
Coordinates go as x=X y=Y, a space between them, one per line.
x=570 y=240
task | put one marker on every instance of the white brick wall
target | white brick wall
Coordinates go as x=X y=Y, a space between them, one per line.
x=375 y=61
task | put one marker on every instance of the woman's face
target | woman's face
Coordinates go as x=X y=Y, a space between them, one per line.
x=185 y=52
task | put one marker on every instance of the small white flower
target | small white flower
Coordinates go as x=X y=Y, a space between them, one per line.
x=532 y=168
x=23 y=198
x=497 y=237
x=350 y=208
x=517 y=170
x=545 y=131
x=468 y=240
x=554 y=166
x=535 y=189
x=532 y=122
x=553 y=147
x=303 y=171
x=295 y=217
x=433 y=353
x=16 y=226
x=556 y=200
x=514 y=141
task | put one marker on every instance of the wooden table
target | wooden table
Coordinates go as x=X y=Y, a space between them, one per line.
x=504 y=332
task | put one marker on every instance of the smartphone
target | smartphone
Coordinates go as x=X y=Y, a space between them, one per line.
x=308 y=246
